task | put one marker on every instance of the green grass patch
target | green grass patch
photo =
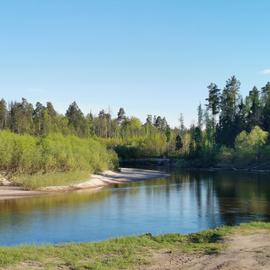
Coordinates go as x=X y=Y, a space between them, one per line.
x=121 y=253
x=51 y=179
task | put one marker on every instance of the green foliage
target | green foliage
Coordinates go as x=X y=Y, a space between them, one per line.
x=251 y=142
x=76 y=120
x=25 y=154
x=249 y=148
x=213 y=99
x=21 y=117
x=266 y=107
x=249 y=145
x=225 y=155
x=265 y=153
x=131 y=127
x=254 y=108
x=227 y=114
x=229 y=102
x=178 y=143
x=153 y=145
x=3 y=114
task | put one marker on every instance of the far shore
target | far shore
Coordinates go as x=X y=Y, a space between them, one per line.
x=9 y=191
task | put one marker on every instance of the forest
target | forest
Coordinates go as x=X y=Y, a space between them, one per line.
x=230 y=129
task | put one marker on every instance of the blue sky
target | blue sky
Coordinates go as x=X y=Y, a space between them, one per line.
x=148 y=56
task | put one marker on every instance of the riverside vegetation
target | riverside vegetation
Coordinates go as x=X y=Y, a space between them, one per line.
x=122 y=253
x=39 y=146
x=52 y=160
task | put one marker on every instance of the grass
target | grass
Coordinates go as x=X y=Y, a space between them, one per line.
x=51 y=179
x=121 y=253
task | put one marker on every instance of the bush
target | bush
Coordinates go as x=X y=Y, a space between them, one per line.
x=248 y=146
x=225 y=155
x=154 y=145
x=25 y=154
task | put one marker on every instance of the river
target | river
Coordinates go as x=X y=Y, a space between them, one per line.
x=182 y=203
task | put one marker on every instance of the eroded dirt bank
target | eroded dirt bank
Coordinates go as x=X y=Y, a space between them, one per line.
x=243 y=252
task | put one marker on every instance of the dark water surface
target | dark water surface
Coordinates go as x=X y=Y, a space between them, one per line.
x=185 y=202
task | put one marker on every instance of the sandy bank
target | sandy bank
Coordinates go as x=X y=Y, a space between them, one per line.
x=11 y=192
x=96 y=181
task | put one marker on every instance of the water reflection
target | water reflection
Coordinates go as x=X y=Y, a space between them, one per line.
x=185 y=202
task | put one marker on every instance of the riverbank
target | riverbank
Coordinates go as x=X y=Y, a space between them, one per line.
x=222 y=248
x=174 y=163
x=9 y=191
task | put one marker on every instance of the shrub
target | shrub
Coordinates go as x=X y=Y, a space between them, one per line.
x=152 y=145
x=25 y=154
x=225 y=155
x=249 y=145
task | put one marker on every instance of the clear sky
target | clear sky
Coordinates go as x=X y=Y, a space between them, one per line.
x=148 y=56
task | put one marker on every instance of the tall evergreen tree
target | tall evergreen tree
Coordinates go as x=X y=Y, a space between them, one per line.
x=229 y=105
x=21 y=120
x=240 y=121
x=200 y=117
x=164 y=124
x=38 y=119
x=90 y=124
x=182 y=124
x=266 y=107
x=103 y=124
x=3 y=114
x=121 y=115
x=209 y=122
x=213 y=100
x=253 y=108
x=178 y=143
x=158 y=122
x=76 y=120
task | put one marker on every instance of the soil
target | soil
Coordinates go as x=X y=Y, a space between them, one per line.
x=243 y=252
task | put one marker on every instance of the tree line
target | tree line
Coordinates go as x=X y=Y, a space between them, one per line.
x=24 y=118
x=225 y=117
x=230 y=121
x=135 y=137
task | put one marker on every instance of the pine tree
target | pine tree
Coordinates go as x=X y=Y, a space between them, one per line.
x=213 y=99
x=21 y=120
x=103 y=124
x=76 y=120
x=178 y=143
x=254 y=110
x=3 y=114
x=164 y=124
x=230 y=98
x=90 y=124
x=121 y=115
x=182 y=125
x=38 y=119
x=240 y=122
x=158 y=122
x=209 y=130
x=200 y=117
x=266 y=107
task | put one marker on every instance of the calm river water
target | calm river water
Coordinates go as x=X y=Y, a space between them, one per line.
x=183 y=203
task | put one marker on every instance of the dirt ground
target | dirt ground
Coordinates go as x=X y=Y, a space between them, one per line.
x=243 y=252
